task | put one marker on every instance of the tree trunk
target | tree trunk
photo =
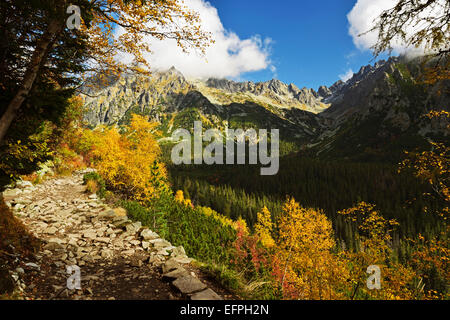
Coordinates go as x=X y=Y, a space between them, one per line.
x=39 y=54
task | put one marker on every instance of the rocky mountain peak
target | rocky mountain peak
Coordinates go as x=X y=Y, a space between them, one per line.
x=174 y=72
x=324 y=91
x=384 y=96
x=279 y=93
x=333 y=93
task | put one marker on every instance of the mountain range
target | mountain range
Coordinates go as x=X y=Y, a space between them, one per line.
x=376 y=114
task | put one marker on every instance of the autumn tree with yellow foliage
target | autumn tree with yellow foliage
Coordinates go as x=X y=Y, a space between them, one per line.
x=429 y=22
x=304 y=262
x=430 y=259
x=431 y=34
x=264 y=228
x=433 y=167
x=129 y=161
x=375 y=248
x=108 y=29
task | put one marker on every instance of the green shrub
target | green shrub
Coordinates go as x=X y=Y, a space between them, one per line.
x=203 y=237
x=94 y=176
x=154 y=218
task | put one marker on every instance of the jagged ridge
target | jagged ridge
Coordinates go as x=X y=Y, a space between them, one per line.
x=379 y=104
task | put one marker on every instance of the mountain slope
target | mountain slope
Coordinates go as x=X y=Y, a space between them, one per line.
x=380 y=112
x=175 y=102
x=377 y=113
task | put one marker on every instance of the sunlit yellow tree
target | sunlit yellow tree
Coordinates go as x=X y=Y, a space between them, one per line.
x=264 y=228
x=430 y=259
x=129 y=161
x=375 y=248
x=305 y=264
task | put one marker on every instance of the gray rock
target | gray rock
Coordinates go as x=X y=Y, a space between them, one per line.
x=207 y=294
x=135 y=242
x=11 y=192
x=178 y=252
x=109 y=214
x=170 y=265
x=145 y=244
x=107 y=254
x=120 y=221
x=129 y=252
x=175 y=274
x=24 y=201
x=56 y=240
x=33 y=265
x=23 y=184
x=90 y=234
x=156 y=260
x=104 y=239
x=15 y=277
x=162 y=252
x=19 y=206
x=160 y=243
x=169 y=248
x=133 y=227
x=188 y=284
x=136 y=262
x=50 y=230
x=148 y=234
x=182 y=260
x=20 y=270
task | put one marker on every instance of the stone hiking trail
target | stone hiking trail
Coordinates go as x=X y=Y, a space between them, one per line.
x=118 y=259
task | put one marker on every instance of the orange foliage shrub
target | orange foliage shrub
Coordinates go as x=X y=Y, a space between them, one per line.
x=13 y=232
x=250 y=257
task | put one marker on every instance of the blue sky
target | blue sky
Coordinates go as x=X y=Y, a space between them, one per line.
x=311 y=42
x=308 y=43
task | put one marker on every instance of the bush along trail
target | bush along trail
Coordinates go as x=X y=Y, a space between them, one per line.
x=117 y=258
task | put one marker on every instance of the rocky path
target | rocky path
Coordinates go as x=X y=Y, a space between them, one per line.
x=116 y=259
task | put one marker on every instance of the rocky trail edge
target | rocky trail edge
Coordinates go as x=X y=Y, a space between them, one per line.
x=114 y=257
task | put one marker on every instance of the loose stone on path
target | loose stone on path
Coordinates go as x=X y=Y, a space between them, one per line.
x=118 y=258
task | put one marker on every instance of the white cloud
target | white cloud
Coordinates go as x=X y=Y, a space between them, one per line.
x=361 y=19
x=229 y=56
x=346 y=76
